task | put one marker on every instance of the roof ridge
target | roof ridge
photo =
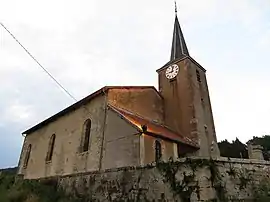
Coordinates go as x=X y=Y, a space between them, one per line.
x=135 y=87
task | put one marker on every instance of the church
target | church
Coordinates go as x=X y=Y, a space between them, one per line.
x=120 y=126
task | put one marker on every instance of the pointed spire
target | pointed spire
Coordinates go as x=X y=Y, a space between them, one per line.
x=179 y=47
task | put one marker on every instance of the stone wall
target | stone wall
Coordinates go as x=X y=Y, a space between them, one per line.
x=68 y=130
x=188 y=179
x=187 y=106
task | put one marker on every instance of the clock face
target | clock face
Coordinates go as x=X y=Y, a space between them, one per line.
x=172 y=71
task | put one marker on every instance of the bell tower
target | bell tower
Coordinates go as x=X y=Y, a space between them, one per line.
x=187 y=106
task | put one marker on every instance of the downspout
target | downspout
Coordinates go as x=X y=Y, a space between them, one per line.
x=103 y=132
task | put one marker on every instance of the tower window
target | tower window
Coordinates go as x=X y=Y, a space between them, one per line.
x=27 y=156
x=198 y=76
x=86 y=135
x=158 y=152
x=50 y=148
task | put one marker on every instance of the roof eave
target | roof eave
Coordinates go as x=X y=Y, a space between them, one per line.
x=79 y=103
x=124 y=118
x=170 y=139
x=151 y=133
x=65 y=111
x=180 y=59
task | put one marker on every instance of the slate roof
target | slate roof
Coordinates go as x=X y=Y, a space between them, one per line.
x=82 y=102
x=179 y=47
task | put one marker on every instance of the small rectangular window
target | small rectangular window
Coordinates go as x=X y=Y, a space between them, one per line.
x=198 y=76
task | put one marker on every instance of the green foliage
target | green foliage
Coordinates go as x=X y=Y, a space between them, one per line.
x=261 y=191
x=236 y=149
x=185 y=187
x=182 y=188
x=232 y=171
x=245 y=178
x=18 y=190
x=220 y=191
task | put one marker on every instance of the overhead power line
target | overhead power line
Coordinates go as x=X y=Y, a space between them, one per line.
x=39 y=64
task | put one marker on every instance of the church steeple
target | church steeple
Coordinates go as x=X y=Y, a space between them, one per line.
x=179 y=47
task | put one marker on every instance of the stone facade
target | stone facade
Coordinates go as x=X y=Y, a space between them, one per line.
x=127 y=125
x=114 y=142
x=187 y=105
x=66 y=157
x=181 y=111
x=193 y=179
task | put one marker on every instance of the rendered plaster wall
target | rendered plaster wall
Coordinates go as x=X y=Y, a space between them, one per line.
x=194 y=180
x=66 y=158
x=203 y=121
x=177 y=99
x=187 y=106
x=121 y=143
x=145 y=102
x=168 y=149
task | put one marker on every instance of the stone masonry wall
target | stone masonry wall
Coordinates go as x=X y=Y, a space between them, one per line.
x=188 y=179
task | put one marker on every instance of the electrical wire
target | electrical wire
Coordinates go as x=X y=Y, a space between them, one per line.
x=39 y=64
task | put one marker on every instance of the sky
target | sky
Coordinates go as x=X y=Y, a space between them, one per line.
x=89 y=44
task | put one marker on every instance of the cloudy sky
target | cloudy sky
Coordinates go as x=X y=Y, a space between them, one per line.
x=89 y=44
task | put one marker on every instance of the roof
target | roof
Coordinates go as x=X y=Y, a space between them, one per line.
x=179 y=47
x=81 y=102
x=153 y=128
x=179 y=50
x=180 y=59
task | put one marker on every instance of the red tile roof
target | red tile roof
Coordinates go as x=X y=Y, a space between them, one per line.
x=153 y=128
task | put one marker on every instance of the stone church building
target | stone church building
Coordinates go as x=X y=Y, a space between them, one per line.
x=120 y=126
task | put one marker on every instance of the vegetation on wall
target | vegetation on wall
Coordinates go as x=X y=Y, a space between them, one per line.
x=128 y=184
x=184 y=187
x=261 y=191
x=187 y=185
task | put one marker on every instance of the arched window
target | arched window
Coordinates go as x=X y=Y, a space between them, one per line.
x=86 y=135
x=50 y=148
x=27 y=155
x=158 y=152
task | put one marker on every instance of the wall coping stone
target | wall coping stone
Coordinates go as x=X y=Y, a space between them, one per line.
x=152 y=165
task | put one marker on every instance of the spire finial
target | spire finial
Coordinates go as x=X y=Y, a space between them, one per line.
x=175 y=7
x=179 y=47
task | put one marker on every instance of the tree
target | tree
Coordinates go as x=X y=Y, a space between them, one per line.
x=236 y=149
